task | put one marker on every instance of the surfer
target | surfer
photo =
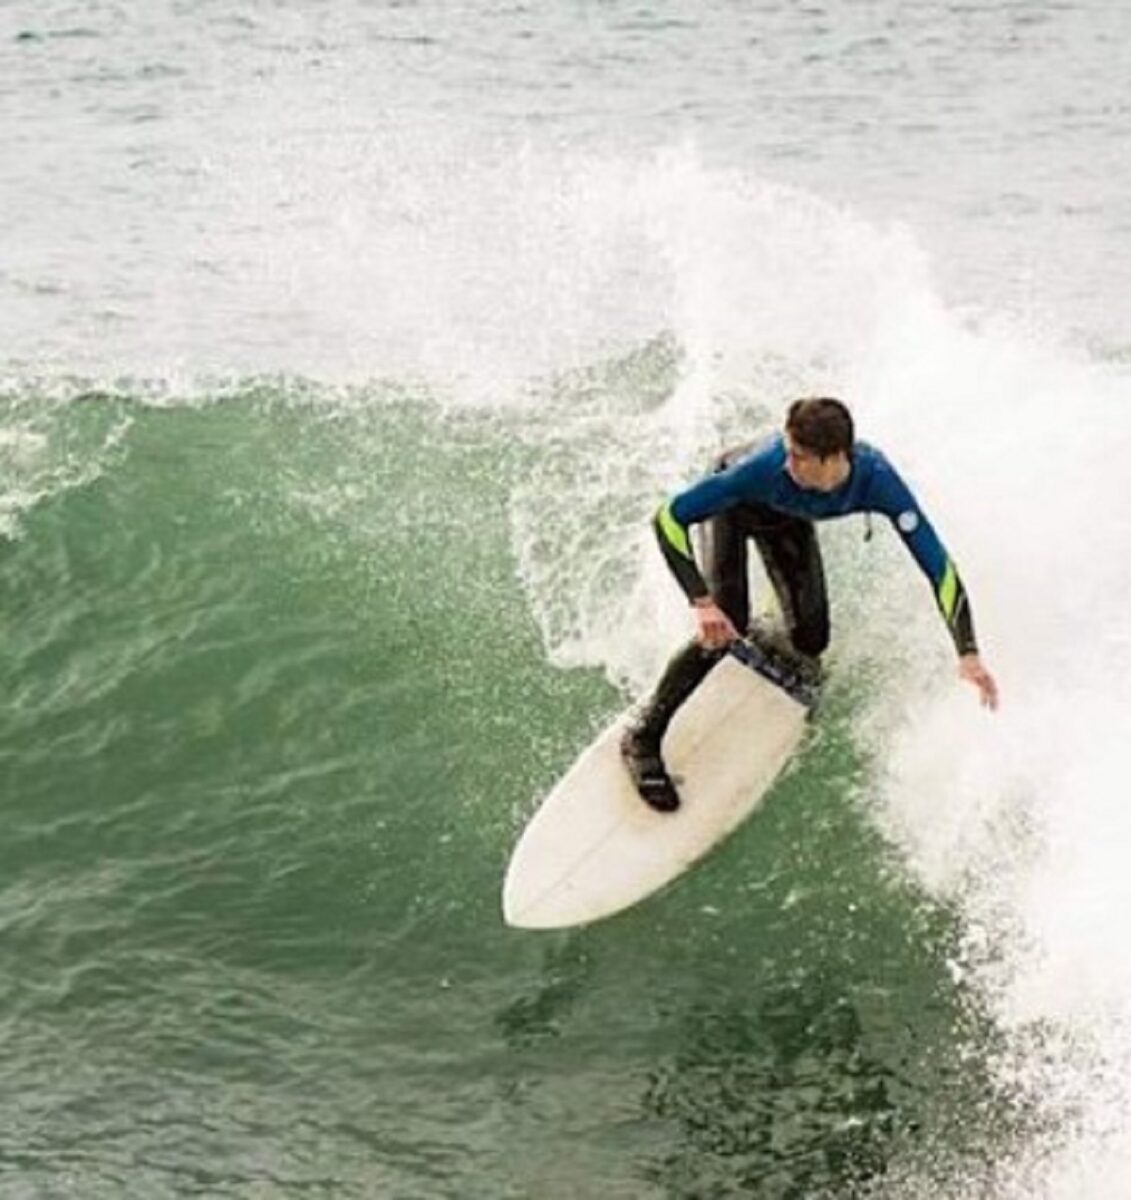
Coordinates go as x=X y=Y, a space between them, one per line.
x=773 y=493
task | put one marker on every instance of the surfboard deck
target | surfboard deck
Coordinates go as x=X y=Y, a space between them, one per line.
x=594 y=847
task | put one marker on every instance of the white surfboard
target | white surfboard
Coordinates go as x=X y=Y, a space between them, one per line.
x=594 y=847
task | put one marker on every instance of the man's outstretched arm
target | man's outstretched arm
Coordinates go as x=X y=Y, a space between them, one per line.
x=918 y=535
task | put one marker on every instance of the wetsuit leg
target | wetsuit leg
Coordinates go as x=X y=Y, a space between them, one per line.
x=791 y=555
x=685 y=671
x=724 y=557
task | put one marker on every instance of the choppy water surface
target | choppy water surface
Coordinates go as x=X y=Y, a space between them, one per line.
x=347 y=349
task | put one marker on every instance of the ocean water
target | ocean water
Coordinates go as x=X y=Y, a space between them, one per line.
x=347 y=348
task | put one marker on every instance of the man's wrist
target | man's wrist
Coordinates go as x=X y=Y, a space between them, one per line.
x=702 y=601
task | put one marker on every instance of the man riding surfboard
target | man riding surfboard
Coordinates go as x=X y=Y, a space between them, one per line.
x=773 y=493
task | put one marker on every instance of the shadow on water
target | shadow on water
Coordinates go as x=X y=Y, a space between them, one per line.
x=539 y=1014
x=777 y=1099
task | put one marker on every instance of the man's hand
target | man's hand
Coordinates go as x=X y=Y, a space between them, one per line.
x=970 y=668
x=713 y=628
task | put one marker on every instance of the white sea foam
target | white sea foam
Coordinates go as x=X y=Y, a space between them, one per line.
x=1023 y=817
x=49 y=445
x=1014 y=443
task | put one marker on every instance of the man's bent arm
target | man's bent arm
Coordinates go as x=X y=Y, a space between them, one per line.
x=675 y=546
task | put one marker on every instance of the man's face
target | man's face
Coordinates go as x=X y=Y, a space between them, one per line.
x=809 y=470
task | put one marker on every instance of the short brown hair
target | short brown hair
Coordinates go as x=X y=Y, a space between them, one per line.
x=821 y=425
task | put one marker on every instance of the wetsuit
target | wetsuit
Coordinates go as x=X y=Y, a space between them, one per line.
x=750 y=495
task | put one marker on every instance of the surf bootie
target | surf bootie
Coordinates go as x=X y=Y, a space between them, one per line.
x=646 y=768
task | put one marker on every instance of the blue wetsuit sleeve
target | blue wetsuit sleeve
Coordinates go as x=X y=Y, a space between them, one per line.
x=748 y=479
x=892 y=497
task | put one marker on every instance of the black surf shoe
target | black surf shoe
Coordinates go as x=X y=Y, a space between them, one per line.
x=646 y=767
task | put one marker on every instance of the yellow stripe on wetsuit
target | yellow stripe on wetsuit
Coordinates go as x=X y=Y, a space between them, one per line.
x=674 y=533
x=948 y=591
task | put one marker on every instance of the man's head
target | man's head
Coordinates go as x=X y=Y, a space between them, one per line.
x=818 y=441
